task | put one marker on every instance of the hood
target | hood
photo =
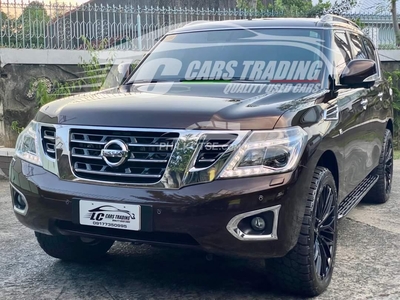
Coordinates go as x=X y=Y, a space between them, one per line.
x=180 y=106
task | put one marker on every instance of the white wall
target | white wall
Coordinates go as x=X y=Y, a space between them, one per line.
x=62 y=57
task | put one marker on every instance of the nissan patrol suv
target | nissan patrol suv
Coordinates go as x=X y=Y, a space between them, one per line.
x=249 y=138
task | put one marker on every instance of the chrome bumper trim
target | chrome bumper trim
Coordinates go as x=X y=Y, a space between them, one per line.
x=232 y=226
x=24 y=211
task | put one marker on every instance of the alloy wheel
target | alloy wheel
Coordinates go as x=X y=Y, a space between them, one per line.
x=388 y=166
x=325 y=233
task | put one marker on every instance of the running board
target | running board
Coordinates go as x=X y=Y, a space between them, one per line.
x=356 y=195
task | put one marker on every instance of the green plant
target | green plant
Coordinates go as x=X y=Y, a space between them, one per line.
x=95 y=72
x=16 y=128
x=394 y=82
x=359 y=22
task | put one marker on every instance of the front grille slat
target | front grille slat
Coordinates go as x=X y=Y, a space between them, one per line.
x=149 y=154
x=48 y=141
x=117 y=174
x=88 y=142
x=87 y=156
x=130 y=144
x=212 y=148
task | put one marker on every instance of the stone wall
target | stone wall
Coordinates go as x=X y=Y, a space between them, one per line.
x=17 y=93
x=21 y=70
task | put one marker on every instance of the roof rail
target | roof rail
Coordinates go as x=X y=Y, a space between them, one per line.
x=336 y=18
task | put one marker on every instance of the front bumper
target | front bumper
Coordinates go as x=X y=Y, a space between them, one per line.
x=194 y=216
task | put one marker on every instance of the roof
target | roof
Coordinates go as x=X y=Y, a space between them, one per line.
x=260 y=23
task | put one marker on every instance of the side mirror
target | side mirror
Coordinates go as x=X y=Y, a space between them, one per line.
x=359 y=73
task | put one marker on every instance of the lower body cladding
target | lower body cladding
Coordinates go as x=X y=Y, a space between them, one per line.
x=257 y=217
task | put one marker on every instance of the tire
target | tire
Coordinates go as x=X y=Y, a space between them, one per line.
x=74 y=249
x=380 y=192
x=301 y=271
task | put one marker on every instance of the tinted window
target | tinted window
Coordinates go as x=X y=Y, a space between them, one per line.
x=370 y=49
x=359 y=51
x=256 y=54
x=342 y=51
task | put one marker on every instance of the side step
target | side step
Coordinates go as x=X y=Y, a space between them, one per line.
x=356 y=195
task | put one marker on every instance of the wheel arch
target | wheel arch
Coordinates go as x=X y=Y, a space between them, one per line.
x=389 y=125
x=329 y=161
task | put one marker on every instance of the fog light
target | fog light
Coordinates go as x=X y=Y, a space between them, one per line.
x=258 y=224
x=19 y=202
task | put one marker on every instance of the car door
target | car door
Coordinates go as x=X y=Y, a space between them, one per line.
x=378 y=102
x=371 y=127
x=352 y=114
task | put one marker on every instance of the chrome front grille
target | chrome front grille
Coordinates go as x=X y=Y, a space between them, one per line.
x=157 y=158
x=149 y=154
x=49 y=141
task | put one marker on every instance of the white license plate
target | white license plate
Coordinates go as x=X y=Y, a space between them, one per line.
x=109 y=215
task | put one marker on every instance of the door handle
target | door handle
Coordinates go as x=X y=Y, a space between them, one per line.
x=364 y=103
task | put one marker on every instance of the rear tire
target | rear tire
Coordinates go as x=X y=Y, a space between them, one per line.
x=380 y=192
x=307 y=269
x=74 y=249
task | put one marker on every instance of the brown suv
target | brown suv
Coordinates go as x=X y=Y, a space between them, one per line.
x=248 y=138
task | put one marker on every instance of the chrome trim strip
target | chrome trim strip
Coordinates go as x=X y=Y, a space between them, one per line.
x=179 y=171
x=87 y=142
x=17 y=210
x=233 y=229
x=48 y=137
x=331 y=113
x=87 y=156
x=116 y=174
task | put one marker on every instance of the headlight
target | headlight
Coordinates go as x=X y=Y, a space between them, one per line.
x=267 y=152
x=28 y=144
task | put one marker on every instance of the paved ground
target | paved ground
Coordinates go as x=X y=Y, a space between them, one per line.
x=368 y=265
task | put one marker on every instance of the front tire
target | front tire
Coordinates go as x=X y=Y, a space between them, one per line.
x=73 y=249
x=380 y=192
x=307 y=269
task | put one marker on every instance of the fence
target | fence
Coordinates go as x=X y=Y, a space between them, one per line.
x=37 y=25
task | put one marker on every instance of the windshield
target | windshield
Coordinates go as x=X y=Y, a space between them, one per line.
x=268 y=55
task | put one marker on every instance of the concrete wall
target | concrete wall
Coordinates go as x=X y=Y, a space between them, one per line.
x=6 y=155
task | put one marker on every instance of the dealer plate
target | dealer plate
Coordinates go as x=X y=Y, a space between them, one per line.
x=109 y=215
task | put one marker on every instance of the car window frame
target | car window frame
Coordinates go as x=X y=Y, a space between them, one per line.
x=366 y=41
x=350 y=52
x=353 y=46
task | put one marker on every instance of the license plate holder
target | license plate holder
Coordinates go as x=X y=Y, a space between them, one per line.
x=110 y=215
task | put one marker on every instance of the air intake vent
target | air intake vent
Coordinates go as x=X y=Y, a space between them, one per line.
x=148 y=154
x=49 y=141
x=213 y=148
x=332 y=113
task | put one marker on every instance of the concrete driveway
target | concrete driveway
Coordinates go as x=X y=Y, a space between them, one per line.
x=367 y=266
